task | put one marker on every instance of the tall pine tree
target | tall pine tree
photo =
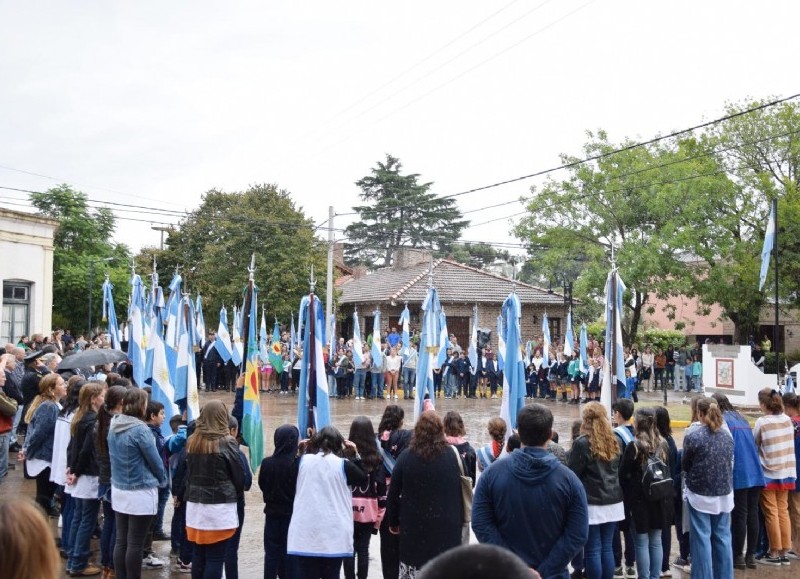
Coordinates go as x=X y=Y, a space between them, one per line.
x=399 y=211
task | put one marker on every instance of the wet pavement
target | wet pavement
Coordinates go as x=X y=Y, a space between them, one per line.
x=280 y=409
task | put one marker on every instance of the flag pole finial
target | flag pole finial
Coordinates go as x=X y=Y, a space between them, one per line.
x=430 y=274
x=312 y=281
x=252 y=269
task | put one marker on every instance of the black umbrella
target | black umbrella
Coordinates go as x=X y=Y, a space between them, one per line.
x=95 y=357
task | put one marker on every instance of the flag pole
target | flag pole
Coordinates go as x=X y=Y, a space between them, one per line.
x=312 y=377
x=247 y=311
x=613 y=349
x=776 y=334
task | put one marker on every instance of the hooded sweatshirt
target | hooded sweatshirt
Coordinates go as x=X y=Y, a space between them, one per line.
x=278 y=476
x=135 y=462
x=534 y=506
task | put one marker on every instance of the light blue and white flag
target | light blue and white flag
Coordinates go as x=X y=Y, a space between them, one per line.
x=110 y=315
x=514 y=375
x=223 y=341
x=584 y=346
x=405 y=320
x=332 y=338
x=358 y=347
x=293 y=345
x=569 y=337
x=173 y=302
x=137 y=338
x=472 y=353
x=444 y=340
x=158 y=378
x=263 y=340
x=613 y=386
x=377 y=355
x=312 y=401
x=546 y=340
x=428 y=350
x=766 y=250
x=238 y=346
x=200 y=323
x=501 y=344
x=186 y=395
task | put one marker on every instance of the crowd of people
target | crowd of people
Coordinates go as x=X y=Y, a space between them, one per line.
x=605 y=507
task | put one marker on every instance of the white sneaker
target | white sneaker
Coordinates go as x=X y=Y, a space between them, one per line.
x=152 y=562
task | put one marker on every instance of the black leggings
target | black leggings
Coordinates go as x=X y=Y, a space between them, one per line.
x=131 y=532
x=45 y=489
x=390 y=552
x=362 y=533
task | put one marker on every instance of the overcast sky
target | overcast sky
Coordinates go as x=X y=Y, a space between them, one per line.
x=153 y=103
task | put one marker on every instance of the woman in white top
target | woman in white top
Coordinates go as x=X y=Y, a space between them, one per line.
x=393 y=362
x=648 y=359
x=321 y=529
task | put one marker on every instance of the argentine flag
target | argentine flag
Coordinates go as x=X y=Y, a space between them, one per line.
x=514 y=375
x=584 y=354
x=186 y=395
x=358 y=347
x=405 y=318
x=444 y=340
x=238 y=347
x=766 y=250
x=472 y=353
x=501 y=344
x=377 y=355
x=569 y=337
x=428 y=350
x=546 y=340
x=159 y=379
x=314 y=402
x=223 y=341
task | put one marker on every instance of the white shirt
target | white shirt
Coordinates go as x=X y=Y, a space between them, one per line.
x=216 y=517
x=137 y=502
x=600 y=514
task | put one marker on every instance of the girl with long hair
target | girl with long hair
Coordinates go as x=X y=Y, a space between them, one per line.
x=771 y=432
x=321 y=529
x=393 y=439
x=25 y=547
x=369 y=499
x=647 y=517
x=58 y=469
x=112 y=405
x=455 y=434
x=424 y=506
x=708 y=466
x=82 y=479
x=214 y=480
x=748 y=480
x=665 y=430
x=595 y=459
x=37 y=452
x=491 y=452
x=136 y=473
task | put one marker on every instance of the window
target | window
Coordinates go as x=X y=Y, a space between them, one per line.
x=16 y=305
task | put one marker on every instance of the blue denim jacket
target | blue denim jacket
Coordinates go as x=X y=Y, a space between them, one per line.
x=39 y=440
x=135 y=462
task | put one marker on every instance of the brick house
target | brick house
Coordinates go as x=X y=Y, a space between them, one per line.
x=460 y=288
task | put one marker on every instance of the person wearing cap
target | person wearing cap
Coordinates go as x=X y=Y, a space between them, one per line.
x=34 y=370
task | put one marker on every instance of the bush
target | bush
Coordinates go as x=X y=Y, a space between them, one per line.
x=661 y=339
x=769 y=363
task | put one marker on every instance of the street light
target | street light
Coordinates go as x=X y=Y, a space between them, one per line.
x=92 y=261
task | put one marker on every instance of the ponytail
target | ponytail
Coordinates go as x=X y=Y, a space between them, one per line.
x=771 y=399
x=709 y=413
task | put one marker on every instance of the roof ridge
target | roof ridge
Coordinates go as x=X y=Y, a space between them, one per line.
x=415 y=280
x=500 y=277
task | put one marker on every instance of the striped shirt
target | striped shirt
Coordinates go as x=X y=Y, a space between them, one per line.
x=775 y=441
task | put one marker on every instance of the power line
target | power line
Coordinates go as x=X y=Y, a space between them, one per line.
x=607 y=154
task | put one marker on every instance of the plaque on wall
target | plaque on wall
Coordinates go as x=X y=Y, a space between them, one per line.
x=724 y=373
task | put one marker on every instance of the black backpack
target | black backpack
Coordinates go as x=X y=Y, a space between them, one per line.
x=656 y=480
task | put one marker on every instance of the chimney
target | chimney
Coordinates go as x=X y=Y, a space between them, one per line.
x=404 y=257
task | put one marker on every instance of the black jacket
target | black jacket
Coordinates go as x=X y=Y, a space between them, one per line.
x=600 y=478
x=81 y=456
x=647 y=515
x=277 y=478
x=215 y=478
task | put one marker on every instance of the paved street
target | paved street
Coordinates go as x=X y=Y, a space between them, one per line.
x=278 y=410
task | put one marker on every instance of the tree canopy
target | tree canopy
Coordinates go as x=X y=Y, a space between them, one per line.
x=81 y=247
x=212 y=248
x=399 y=211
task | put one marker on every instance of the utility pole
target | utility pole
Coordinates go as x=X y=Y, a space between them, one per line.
x=162 y=229
x=329 y=280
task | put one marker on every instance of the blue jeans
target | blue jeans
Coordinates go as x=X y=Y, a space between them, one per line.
x=710 y=543
x=208 y=561
x=377 y=384
x=597 y=554
x=5 y=440
x=359 y=381
x=108 y=535
x=84 y=520
x=232 y=550
x=163 y=497
x=449 y=384
x=184 y=549
x=409 y=380
x=67 y=514
x=649 y=554
x=276 y=561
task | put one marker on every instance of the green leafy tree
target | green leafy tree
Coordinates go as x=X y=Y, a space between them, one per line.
x=212 y=248
x=83 y=254
x=477 y=255
x=399 y=211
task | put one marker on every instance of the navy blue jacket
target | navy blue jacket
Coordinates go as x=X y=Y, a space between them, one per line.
x=534 y=506
x=708 y=462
